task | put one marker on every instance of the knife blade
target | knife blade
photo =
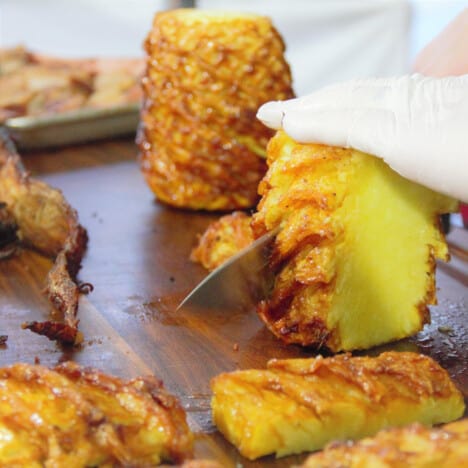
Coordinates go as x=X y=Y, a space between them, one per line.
x=239 y=283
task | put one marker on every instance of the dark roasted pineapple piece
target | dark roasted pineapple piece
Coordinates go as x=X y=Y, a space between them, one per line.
x=47 y=223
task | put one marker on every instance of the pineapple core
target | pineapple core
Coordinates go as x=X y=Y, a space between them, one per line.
x=355 y=258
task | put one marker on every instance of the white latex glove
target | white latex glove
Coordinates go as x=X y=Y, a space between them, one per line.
x=417 y=125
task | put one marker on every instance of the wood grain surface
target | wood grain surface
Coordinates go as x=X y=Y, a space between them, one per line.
x=138 y=262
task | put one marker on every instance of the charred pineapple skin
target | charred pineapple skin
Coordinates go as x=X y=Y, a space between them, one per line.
x=301 y=405
x=355 y=258
x=206 y=75
x=72 y=416
x=416 y=446
x=222 y=239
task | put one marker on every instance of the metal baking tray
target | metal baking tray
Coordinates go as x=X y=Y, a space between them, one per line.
x=76 y=126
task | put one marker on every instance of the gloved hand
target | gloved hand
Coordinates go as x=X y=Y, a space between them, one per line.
x=417 y=125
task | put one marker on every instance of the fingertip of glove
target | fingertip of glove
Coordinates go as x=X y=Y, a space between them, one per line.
x=271 y=114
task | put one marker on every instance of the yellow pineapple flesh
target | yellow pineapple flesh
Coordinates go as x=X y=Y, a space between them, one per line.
x=298 y=405
x=355 y=258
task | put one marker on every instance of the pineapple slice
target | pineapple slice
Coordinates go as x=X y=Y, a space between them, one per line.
x=72 y=416
x=207 y=73
x=355 y=258
x=416 y=446
x=302 y=404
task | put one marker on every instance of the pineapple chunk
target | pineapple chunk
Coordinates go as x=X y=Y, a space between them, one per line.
x=355 y=259
x=416 y=446
x=302 y=404
x=222 y=239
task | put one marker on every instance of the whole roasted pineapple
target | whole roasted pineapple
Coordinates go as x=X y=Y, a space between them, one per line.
x=206 y=75
x=355 y=257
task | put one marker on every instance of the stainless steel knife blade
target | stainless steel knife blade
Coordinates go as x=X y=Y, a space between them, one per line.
x=239 y=283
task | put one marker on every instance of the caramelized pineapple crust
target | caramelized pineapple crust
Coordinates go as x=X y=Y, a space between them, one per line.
x=74 y=416
x=206 y=75
x=414 y=446
x=355 y=258
x=222 y=239
x=301 y=405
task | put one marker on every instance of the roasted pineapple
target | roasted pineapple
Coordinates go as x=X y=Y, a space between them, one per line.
x=223 y=239
x=76 y=417
x=355 y=258
x=206 y=75
x=302 y=404
x=415 y=446
x=41 y=218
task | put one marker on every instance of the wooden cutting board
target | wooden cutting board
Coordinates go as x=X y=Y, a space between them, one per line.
x=138 y=262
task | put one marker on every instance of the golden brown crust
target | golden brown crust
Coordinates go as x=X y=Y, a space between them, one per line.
x=75 y=415
x=414 y=446
x=223 y=239
x=352 y=230
x=207 y=74
x=390 y=376
x=302 y=404
x=48 y=224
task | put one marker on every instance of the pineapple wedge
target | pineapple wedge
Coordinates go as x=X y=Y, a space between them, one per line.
x=355 y=258
x=415 y=446
x=300 y=405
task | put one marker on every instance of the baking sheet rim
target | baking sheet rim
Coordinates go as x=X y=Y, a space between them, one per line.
x=75 y=116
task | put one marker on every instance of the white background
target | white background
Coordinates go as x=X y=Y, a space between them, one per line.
x=327 y=40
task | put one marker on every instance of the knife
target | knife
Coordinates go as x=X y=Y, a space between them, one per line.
x=239 y=283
